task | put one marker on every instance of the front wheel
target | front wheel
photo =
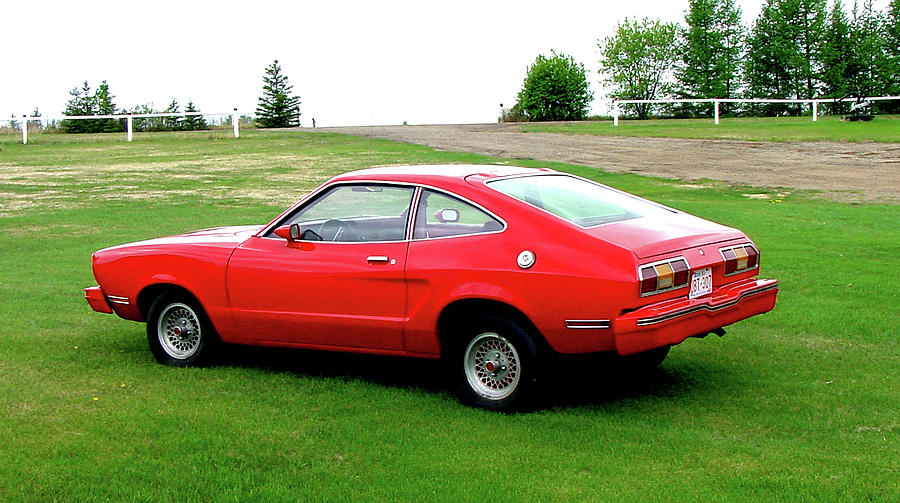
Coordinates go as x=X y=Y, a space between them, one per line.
x=179 y=332
x=496 y=365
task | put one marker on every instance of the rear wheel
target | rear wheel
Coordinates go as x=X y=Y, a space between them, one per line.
x=179 y=332
x=495 y=365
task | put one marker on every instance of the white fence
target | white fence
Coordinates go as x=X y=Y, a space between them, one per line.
x=813 y=102
x=129 y=118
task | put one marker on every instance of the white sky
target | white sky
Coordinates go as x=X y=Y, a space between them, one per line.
x=351 y=63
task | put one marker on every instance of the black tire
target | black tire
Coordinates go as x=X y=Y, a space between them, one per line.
x=179 y=332
x=495 y=364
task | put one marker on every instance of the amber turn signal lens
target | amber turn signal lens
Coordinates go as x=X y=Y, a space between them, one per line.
x=664 y=275
x=739 y=258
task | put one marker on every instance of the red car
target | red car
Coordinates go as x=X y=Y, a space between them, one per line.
x=491 y=268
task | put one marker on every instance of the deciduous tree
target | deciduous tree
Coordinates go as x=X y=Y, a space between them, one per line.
x=555 y=88
x=637 y=62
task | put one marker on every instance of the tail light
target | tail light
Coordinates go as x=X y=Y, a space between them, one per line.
x=664 y=275
x=740 y=258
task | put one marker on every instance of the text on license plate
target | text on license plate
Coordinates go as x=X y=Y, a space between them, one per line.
x=701 y=282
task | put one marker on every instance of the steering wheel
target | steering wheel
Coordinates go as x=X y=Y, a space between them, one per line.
x=338 y=230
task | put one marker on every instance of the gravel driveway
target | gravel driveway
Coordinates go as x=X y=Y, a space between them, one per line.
x=864 y=171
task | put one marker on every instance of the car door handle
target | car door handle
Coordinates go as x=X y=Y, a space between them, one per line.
x=377 y=258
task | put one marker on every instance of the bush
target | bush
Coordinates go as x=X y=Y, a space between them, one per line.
x=555 y=89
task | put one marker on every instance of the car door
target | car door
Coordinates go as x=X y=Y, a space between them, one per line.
x=341 y=284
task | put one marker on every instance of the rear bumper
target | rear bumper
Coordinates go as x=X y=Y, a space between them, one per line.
x=672 y=321
x=97 y=300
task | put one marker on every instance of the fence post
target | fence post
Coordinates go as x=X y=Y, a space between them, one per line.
x=128 y=127
x=815 y=110
x=717 y=112
x=234 y=123
x=615 y=113
x=24 y=130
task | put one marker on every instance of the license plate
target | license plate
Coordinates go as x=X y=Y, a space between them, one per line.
x=701 y=283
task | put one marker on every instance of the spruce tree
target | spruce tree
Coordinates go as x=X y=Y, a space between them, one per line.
x=277 y=108
x=193 y=122
x=104 y=104
x=172 y=123
x=81 y=103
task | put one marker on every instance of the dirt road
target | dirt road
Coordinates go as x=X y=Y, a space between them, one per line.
x=865 y=171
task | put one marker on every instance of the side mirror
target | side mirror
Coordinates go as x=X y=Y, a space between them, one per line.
x=447 y=216
x=289 y=232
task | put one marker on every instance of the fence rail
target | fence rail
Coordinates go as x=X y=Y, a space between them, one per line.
x=814 y=102
x=129 y=118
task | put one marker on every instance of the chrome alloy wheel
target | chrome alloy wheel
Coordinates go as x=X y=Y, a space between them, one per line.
x=178 y=330
x=492 y=366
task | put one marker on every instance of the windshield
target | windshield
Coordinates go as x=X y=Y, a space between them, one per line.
x=579 y=201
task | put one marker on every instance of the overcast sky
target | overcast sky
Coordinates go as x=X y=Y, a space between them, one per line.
x=351 y=63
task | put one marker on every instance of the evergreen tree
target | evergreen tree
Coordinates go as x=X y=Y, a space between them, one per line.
x=783 y=52
x=104 y=104
x=710 y=50
x=809 y=19
x=555 y=88
x=277 y=108
x=193 y=122
x=892 y=32
x=172 y=123
x=637 y=62
x=81 y=103
x=836 y=56
x=870 y=67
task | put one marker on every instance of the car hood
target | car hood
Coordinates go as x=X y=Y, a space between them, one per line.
x=650 y=236
x=219 y=236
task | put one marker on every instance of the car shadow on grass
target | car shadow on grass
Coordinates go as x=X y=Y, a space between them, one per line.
x=593 y=382
x=388 y=371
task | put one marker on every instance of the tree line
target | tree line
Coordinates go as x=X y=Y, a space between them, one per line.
x=101 y=102
x=795 y=49
x=277 y=108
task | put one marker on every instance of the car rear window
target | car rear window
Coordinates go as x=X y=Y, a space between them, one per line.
x=577 y=200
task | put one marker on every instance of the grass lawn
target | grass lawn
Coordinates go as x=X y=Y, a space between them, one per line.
x=884 y=128
x=801 y=404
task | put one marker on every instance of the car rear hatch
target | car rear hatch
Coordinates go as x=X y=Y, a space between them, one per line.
x=651 y=236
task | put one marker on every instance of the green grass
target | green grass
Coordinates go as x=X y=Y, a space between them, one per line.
x=801 y=404
x=885 y=128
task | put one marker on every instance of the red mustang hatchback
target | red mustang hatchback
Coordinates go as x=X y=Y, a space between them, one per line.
x=491 y=268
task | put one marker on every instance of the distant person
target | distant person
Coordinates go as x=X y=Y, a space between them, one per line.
x=314 y=122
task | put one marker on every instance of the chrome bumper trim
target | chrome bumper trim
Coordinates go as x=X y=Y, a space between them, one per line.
x=587 y=323
x=115 y=299
x=643 y=322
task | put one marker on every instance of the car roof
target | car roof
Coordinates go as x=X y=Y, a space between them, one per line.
x=448 y=172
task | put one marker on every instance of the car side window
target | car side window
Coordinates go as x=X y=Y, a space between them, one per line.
x=441 y=215
x=356 y=213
